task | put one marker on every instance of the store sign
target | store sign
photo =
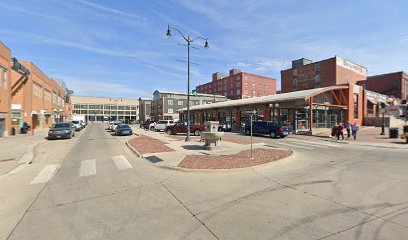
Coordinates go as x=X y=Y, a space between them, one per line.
x=351 y=66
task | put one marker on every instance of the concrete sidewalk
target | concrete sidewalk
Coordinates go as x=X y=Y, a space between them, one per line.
x=183 y=149
x=366 y=136
x=17 y=150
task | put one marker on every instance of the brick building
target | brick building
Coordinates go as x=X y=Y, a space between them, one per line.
x=391 y=84
x=165 y=105
x=306 y=74
x=145 y=108
x=238 y=85
x=35 y=98
x=5 y=68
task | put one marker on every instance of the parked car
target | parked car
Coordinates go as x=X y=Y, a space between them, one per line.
x=61 y=130
x=123 y=129
x=77 y=124
x=146 y=124
x=181 y=127
x=269 y=128
x=114 y=124
x=224 y=127
x=162 y=124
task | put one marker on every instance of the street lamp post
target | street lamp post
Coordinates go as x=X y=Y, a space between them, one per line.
x=383 y=119
x=189 y=41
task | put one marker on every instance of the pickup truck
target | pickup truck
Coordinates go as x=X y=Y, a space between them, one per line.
x=181 y=127
x=268 y=128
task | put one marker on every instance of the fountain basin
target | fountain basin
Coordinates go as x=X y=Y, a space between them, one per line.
x=211 y=140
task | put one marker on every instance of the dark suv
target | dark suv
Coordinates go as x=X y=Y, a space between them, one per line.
x=268 y=128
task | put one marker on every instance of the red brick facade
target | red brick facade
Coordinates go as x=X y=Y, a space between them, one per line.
x=5 y=69
x=238 y=85
x=329 y=72
x=390 y=84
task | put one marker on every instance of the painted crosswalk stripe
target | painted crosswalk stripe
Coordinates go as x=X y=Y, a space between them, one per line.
x=46 y=174
x=304 y=143
x=88 y=168
x=322 y=143
x=298 y=146
x=121 y=162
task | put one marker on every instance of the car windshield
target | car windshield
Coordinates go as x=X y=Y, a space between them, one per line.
x=162 y=122
x=61 y=125
x=75 y=122
x=123 y=126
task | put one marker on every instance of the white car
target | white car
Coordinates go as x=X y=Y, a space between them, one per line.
x=77 y=124
x=162 y=124
x=114 y=124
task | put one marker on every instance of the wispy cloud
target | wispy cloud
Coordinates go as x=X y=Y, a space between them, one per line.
x=129 y=17
x=93 y=87
x=265 y=65
x=30 y=12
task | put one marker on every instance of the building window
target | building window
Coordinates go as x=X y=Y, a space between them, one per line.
x=5 y=74
x=355 y=106
x=317 y=79
x=317 y=67
x=295 y=82
x=170 y=101
x=294 y=72
x=238 y=91
x=180 y=103
x=170 y=110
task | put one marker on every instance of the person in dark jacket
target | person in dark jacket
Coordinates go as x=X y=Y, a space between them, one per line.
x=340 y=131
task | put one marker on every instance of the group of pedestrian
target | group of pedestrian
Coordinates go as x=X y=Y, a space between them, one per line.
x=351 y=129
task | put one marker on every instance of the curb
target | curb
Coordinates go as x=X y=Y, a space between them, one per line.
x=138 y=154
x=176 y=168
x=28 y=156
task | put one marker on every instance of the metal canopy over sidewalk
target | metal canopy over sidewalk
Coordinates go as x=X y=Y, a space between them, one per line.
x=305 y=110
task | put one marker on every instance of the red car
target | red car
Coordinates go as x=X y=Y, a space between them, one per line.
x=181 y=127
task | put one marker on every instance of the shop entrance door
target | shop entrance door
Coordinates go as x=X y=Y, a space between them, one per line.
x=333 y=120
x=2 y=126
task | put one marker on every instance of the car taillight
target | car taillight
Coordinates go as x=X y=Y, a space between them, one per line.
x=281 y=129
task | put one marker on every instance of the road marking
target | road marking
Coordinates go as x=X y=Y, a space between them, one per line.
x=88 y=168
x=323 y=143
x=121 y=162
x=305 y=143
x=46 y=174
x=297 y=146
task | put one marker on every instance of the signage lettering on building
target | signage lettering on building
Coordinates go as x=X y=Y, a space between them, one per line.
x=351 y=66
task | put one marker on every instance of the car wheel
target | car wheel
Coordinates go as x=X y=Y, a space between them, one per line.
x=151 y=128
x=247 y=132
x=219 y=129
x=197 y=132
x=272 y=134
x=169 y=132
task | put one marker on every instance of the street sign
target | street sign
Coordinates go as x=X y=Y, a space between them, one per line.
x=254 y=112
x=194 y=92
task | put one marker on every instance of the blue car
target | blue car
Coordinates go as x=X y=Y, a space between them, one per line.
x=268 y=128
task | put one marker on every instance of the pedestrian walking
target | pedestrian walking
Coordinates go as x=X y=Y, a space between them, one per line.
x=347 y=126
x=334 y=131
x=340 y=131
x=354 y=130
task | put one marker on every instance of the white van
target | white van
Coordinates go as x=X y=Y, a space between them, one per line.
x=162 y=124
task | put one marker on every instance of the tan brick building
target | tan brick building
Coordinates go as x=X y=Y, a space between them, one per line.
x=5 y=68
x=306 y=74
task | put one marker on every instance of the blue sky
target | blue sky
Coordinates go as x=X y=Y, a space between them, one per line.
x=119 y=49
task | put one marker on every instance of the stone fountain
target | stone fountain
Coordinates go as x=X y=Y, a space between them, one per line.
x=211 y=136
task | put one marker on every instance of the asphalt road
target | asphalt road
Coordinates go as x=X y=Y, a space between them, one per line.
x=93 y=187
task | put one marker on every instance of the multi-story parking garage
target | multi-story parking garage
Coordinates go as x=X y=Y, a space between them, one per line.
x=104 y=109
x=306 y=111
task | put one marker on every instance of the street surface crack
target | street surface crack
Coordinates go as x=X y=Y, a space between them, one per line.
x=192 y=214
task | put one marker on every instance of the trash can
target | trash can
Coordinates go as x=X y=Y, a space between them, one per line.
x=13 y=131
x=393 y=132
